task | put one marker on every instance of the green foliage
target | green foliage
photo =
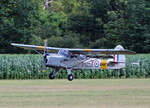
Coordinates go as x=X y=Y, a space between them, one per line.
x=69 y=40
x=52 y=24
x=19 y=18
x=86 y=23
x=29 y=67
x=137 y=26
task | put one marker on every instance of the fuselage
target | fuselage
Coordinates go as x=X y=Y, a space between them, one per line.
x=81 y=62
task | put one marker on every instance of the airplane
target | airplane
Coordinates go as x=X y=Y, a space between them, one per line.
x=76 y=59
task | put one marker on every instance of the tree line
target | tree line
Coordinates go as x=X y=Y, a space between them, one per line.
x=75 y=24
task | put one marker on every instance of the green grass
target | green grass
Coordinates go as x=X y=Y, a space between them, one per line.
x=108 y=93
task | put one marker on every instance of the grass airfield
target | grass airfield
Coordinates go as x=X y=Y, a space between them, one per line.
x=99 y=93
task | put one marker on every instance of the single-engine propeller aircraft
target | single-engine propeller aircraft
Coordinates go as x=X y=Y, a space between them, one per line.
x=74 y=59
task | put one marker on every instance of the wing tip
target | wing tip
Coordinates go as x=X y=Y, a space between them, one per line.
x=14 y=44
x=131 y=52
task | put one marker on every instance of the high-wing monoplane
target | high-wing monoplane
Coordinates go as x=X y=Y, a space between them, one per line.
x=74 y=59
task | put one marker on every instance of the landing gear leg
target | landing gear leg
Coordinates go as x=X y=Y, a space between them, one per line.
x=70 y=76
x=53 y=74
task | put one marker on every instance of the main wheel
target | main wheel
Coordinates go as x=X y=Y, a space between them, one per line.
x=51 y=76
x=70 y=77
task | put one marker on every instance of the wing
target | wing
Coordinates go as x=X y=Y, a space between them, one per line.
x=35 y=47
x=101 y=51
x=77 y=51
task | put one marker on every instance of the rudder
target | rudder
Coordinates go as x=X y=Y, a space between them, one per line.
x=119 y=57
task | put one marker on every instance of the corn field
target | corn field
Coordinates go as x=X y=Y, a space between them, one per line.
x=29 y=67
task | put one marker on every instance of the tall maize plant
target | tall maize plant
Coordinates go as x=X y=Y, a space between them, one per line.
x=21 y=67
x=29 y=67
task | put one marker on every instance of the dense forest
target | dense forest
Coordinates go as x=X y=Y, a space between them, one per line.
x=75 y=24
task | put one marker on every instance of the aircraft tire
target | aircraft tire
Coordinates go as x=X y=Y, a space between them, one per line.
x=70 y=77
x=51 y=76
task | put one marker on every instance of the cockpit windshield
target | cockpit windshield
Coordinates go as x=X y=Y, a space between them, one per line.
x=64 y=52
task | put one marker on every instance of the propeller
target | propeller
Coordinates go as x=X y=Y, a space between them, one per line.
x=44 y=57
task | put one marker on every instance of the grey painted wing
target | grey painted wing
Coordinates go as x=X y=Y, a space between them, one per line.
x=77 y=51
x=101 y=51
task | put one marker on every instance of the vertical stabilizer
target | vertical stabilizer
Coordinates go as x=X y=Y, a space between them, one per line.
x=119 y=57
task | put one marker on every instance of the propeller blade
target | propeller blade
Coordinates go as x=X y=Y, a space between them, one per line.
x=44 y=57
x=44 y=66
x=45 y=45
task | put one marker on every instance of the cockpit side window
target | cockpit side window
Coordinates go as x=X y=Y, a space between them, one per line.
x=64 y=52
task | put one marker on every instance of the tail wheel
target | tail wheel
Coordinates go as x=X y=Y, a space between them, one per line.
x=51 y=76
x=70 y=77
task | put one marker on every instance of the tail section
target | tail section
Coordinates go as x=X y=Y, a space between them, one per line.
x=118 y=57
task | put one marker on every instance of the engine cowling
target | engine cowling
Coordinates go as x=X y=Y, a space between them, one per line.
x=55 y=60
